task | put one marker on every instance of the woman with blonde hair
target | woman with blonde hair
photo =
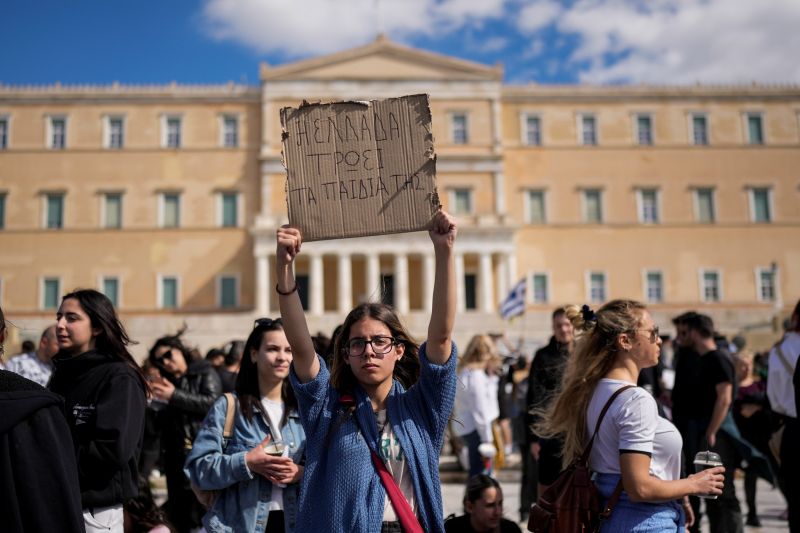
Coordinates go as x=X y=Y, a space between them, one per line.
x=476 y=401
x=634 y=447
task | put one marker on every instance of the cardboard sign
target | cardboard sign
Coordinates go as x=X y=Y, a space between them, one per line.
x=359 y=168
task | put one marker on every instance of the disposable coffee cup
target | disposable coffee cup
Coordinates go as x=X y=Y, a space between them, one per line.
x=704 y=461
x=276 y=448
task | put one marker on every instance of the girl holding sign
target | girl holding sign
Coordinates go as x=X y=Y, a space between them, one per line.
x=257 y=468
x=375 y=422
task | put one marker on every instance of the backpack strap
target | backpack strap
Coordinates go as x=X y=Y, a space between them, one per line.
x=227 y=432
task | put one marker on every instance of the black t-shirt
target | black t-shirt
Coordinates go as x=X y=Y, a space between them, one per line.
x=461 y=525
x=687 y=370
x=715 y=367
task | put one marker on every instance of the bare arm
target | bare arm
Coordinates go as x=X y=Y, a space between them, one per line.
x=440 y=329
x=721 y=406
x=642 y=487
x=306 y=364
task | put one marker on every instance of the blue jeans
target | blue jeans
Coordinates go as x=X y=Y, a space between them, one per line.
x=638 y=517
x=472 y=441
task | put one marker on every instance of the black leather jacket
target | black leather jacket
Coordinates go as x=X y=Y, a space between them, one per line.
x=547 y=370
x=195 y=393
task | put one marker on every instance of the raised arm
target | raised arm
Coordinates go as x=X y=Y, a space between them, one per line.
x=440 y=329
x=306 y=364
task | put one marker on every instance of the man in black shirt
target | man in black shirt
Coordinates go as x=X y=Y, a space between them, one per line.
x=713 y=400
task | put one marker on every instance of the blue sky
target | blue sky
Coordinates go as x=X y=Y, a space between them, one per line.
x=543 y=41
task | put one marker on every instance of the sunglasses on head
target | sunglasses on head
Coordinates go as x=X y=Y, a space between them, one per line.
x=266 y=322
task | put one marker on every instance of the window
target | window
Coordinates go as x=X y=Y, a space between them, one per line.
x=541 y=292
x=4 y=122
x=531 y=130
x=755 y=129
x=760 y=205
x=765 y=282
x=535 y=209
x=229 y=209
x=597 y=287
x=710 y=286
x=644 y=129
x=699 y=130
x=228 y=292
x=588 y=130
x=461 y=200
x=230 y=131
x=704 y=205
x=110 y=287
x=593 y=206
x=112 y=210
x=654 y=286
x=459 y=128
x=114 y=132
x=2 y=210
x=648 y=206
x=51 y=292
x=171 y=132
x=170 y=210
x=54 y=210
x=58 y=133
x=168 y=292
x=470 y=292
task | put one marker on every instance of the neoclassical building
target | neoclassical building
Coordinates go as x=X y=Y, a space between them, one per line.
x=167 y=199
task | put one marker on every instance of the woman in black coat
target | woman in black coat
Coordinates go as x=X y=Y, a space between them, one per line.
x=189 y=389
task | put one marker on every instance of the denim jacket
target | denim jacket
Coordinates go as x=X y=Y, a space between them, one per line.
x=243 y=498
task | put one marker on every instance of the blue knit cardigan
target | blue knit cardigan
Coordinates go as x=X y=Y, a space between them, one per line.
x=341 y=490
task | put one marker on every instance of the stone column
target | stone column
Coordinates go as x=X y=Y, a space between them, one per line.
x=372 y=282
x=502 y=278
x=428 y=272
x=512 y=271
x=460 y=289
x=487 y=300
x=316 y=280
x=263 y=286
x=345 y=274
x=401 y=299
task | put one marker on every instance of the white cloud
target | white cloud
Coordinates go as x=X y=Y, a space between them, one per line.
x=679 y=41
x=537 y=15
x=311 y=27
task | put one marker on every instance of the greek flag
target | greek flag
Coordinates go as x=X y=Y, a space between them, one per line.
x=514 y=304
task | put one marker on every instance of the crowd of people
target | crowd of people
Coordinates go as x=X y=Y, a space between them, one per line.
x=292 y=432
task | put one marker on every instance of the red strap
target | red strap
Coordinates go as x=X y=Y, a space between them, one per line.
x=408 y=520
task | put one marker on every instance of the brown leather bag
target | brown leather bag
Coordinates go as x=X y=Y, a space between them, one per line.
x=572 y=503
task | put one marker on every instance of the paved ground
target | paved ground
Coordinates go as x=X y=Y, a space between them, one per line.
x=770 y=502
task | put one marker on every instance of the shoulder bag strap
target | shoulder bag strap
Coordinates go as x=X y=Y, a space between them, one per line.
x=227 y=432
x=405 y=514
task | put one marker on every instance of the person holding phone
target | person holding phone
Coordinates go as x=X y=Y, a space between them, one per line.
x=257 y=470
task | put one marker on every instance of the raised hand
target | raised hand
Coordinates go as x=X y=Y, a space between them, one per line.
x=289 y=242
x=443 y=230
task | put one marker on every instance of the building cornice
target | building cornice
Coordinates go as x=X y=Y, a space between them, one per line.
x=122 y=93
x=590 y=93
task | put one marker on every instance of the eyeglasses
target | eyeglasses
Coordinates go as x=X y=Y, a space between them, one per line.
x=653 y=333
x=266 y=322
x=380 y=346
x=166 y=355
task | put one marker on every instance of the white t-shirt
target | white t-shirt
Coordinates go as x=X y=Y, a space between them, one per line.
x=632 y=424
x=274 y=414
x=476 y=403
x=392 y=455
